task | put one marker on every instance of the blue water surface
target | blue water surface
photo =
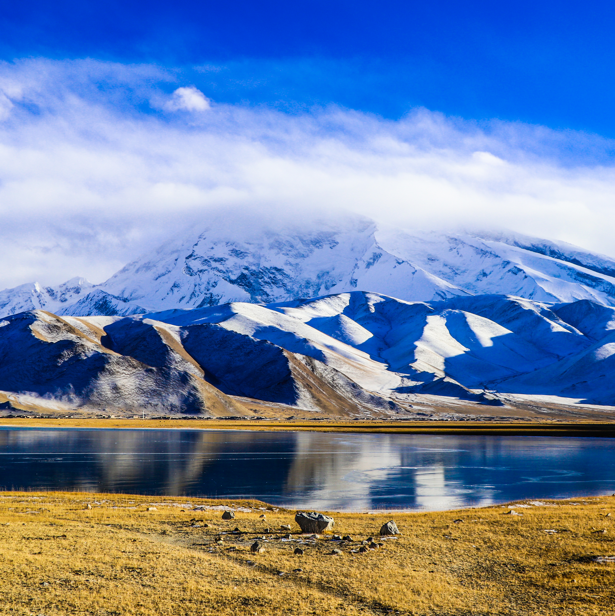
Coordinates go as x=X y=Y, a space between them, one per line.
x=316 y=470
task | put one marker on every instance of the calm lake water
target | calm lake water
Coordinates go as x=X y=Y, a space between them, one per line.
x=314 y=470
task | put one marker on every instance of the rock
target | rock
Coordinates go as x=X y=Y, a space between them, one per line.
x=288 y=536
x=285 y=527
x=373 y=546
x=336 y=538
x=390 y=528
x=228 y=515
x=267 y=530
x=297 y=570
x=457 y=521
x=88 y=506
x=314 y=522
x=298 y=552
x=347 y=538
x=152 y=509
x=363 y=549
x=263 y=517
x=603 y=559
x=336 y=552
x=257 y=548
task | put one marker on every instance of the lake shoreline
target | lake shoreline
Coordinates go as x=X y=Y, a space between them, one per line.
x=599 y=429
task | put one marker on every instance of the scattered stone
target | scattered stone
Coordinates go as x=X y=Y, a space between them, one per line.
x=599 y=532
x=298 y=552
x=205 y=525
x=336 y=538
x=297 y=570
x=607 y=515
x=512 y=512
x=285 y=527
x=336 y=552
x=603 y=560
x=267 y=530
x=152 y=509
x=257 y=548
x=457 y=521
x=347 y=538
x=288 y=536
x=314 y=522
x=390 y=528
x=228 y=515
x=88 y=506
x=363 y=549
x=550 y=531
x=373 y=546
x=262 y=517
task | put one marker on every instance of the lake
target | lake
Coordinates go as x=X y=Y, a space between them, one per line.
x=309 y=470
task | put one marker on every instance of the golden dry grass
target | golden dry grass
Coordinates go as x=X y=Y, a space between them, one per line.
x=58 y=557
x=543 y=428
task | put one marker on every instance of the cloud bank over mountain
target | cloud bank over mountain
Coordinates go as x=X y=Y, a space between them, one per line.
x=100 y=162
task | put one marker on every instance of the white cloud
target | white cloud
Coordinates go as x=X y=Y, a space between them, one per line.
x=88 y=180
x=188 y=99
x=5 y=106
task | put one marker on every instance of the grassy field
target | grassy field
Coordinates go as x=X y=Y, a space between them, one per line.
x=99 y=554
x=527 y=428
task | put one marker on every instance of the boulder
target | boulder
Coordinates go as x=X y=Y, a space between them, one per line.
x=298 y=552
x=390 y=528
x=314 y=522
x=228 y=515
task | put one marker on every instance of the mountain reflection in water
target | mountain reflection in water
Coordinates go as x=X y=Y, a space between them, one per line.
x=316 y=470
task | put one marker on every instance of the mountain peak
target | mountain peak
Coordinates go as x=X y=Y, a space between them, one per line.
x=279 y=256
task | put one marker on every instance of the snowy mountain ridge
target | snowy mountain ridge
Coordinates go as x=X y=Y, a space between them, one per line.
x=240 y=258
x=354 y=354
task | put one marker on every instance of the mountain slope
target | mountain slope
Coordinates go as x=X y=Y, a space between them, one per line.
x=456 y=347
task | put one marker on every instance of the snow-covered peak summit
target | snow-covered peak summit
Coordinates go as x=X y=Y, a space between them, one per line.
x=237 y=256
x=281 y=261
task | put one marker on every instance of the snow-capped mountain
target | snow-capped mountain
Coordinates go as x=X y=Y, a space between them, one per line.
x=350 y=354
x=457 y=347
x=33 y=296
x=237 y=257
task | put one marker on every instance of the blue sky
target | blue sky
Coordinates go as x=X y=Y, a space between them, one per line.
x=123 y=122
x=538 y=62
